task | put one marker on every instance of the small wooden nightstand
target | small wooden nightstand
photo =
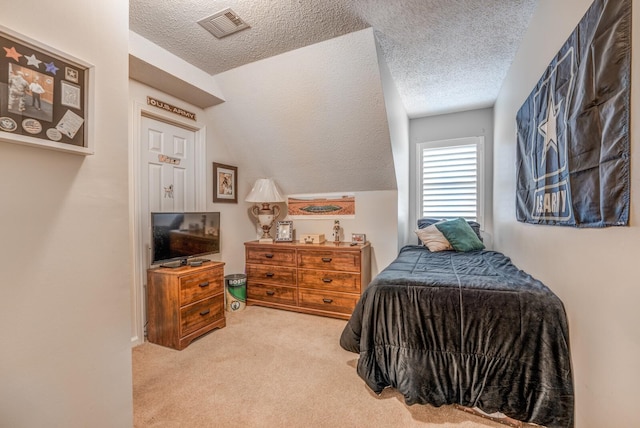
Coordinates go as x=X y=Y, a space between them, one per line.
x=322 y=279
x=184 y=303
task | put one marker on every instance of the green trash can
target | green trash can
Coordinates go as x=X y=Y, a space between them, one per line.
x=235 y=292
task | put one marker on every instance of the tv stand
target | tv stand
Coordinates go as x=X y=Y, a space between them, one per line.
x=184 y=303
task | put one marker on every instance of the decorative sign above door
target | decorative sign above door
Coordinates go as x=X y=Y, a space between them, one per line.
x=170 y=108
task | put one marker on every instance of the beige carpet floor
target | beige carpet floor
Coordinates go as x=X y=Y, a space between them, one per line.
x=271 y=368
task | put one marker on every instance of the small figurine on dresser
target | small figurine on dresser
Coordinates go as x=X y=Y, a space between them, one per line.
x=336 y=231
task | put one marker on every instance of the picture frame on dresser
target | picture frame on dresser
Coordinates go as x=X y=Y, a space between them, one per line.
x=48 y=97
x=358 y=238
x=225 y=183
x=284 y=231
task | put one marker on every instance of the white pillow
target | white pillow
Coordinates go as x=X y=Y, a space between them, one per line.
x=433 y=239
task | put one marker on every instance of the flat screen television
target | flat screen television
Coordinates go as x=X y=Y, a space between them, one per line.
x=178 y=238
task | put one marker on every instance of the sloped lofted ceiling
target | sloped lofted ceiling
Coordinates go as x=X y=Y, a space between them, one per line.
x=443 y=55
x=284 y=116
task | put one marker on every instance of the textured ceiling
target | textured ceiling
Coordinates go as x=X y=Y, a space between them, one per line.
x=443 y=55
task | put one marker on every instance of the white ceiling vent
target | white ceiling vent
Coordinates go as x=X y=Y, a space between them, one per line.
x=223 y=23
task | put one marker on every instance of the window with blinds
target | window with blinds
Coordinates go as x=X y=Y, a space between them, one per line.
x=450 y=179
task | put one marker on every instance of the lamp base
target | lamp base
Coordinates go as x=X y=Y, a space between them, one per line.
x=265 y=215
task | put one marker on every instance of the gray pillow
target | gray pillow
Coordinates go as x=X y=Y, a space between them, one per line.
x=427 y=221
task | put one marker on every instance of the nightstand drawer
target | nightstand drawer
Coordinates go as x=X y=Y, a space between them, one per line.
x=271 y=275
x=200 y=285
x=201 y=314
x=272 y=256
x=272 y=293
x=348 y=261
x=328 y=300
x=329 y=280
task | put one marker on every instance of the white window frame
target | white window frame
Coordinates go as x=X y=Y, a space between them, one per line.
x=479 y=142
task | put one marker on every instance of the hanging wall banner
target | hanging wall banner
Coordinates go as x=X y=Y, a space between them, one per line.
x=573 y=129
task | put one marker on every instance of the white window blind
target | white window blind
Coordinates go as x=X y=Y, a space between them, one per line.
x=450 y=179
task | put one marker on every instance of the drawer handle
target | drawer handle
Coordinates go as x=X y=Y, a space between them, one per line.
x=203 y=313
x=327 y=280
x=269 y=274
x=326 y=259
x=327 y=300
x=204 y=284
x=269 y=256
x=270 y=293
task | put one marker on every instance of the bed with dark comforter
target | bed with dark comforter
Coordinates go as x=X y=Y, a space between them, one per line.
x=465 y=328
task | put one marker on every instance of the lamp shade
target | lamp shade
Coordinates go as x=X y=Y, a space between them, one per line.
x=264 y=190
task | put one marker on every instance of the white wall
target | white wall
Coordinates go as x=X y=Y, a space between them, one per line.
x=594 y=271
x=313 y=119
x=158 y=68
x=376 y=212
x=237 y=225
x=65 y=358
x=146 y=51
x=473 y=123
x=399 y=136
x=262 y=115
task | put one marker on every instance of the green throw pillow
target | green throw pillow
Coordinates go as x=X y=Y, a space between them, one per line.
x=460 y=235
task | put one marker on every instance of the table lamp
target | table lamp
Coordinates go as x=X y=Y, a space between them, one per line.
x=266 y=193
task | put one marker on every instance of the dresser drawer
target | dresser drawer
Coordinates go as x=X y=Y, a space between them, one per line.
x=200 y=285
x=348 y=261
x=329 y=280
x=272 y=293
x=324 y=279
x=201 y=314
x=271 y=275
x=327 y=300
x=272 y=256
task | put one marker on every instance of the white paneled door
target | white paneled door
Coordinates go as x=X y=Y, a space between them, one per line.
x=168 y=167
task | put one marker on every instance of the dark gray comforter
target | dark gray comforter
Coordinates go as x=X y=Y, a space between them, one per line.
x=465 y=328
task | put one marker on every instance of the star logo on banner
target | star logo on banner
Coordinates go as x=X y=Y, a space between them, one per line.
x=548 y=128
x=51 y=68
x=12 y=53
x=32 y=60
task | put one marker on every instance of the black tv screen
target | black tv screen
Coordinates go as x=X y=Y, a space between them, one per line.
x=180 y=236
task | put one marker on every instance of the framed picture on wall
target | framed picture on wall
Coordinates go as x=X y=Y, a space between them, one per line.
x=46 y=96
x=225 y=183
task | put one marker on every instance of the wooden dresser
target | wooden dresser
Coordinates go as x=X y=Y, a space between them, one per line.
x=184 y=303
x=323 y=279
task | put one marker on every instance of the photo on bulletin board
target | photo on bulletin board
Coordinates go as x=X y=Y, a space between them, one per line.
x=45 y=96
